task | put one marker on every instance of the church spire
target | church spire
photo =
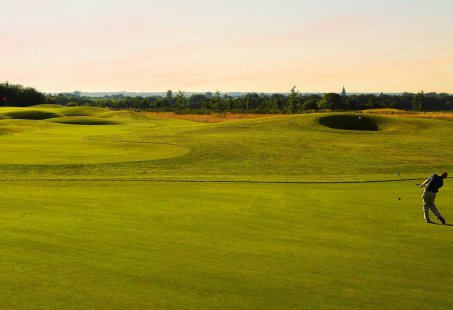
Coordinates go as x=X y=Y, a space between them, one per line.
x=343 y=92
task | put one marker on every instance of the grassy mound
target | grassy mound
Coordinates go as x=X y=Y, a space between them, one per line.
x=48 y=106
x=84 y=120
x=3 y=116
x=31 y=114
x=349 y=122
x=82 y=111
x=125 y=115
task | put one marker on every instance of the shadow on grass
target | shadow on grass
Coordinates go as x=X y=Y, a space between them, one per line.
x=434 y=223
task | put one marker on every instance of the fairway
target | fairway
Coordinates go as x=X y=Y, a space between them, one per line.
x=118 y=210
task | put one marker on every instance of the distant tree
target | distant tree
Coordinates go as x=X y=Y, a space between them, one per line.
x=228 y=102
x=331 y=101
x=198 y=102
x=218 y=104
x=405 y=101
x=372 y=102
x=278 y=102
x=181 y=103
x=293 y=100
x=418 y=103
x=169 y=98
x=310 y=104
x=251 y=102
x=161 y=104
x=269 y=105
x=17 y=95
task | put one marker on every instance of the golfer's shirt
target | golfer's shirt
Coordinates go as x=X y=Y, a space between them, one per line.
x=435 y=182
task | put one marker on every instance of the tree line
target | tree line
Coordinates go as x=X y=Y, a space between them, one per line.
x=19 y=96
x=278 y=103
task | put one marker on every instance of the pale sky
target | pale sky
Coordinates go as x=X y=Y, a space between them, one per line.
x=247 y=45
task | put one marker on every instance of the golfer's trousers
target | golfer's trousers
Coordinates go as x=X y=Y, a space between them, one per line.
x=428 y=204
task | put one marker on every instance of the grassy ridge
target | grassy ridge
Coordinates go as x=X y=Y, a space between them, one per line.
x=283 y=148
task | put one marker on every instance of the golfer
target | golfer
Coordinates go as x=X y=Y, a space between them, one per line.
x=432 y=186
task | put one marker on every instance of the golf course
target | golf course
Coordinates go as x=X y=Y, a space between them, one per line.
x=103 y=209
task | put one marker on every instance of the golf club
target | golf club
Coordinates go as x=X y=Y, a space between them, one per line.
x=407 y=180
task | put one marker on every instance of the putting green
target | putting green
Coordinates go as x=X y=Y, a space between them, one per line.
x=32 y=142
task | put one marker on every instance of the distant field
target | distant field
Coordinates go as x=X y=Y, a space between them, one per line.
x=109 y=209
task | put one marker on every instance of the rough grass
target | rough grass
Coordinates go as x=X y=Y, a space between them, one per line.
x=386 y=111
x=414 y=114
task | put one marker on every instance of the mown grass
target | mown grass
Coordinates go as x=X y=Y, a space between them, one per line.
x=79 y=233
x=238 y=246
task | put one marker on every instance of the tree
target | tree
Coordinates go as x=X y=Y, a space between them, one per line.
x=310 y=104
x=17 y=95
x=418 y=103
x=293 y=100
x=198 y=102
x=278 y=103
x=251 y=101
x=169 y=98
x=331 y=101
x=218 y=104
x=181 y=103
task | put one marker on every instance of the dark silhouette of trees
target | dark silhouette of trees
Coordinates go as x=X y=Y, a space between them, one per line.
x=182 y=106
x=278 y=103
x=310 y=104
x=292 y=102
x=418 y=103
x=19 y=96
x=331 y=101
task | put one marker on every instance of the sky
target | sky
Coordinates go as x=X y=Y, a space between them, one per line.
x=235 y=45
